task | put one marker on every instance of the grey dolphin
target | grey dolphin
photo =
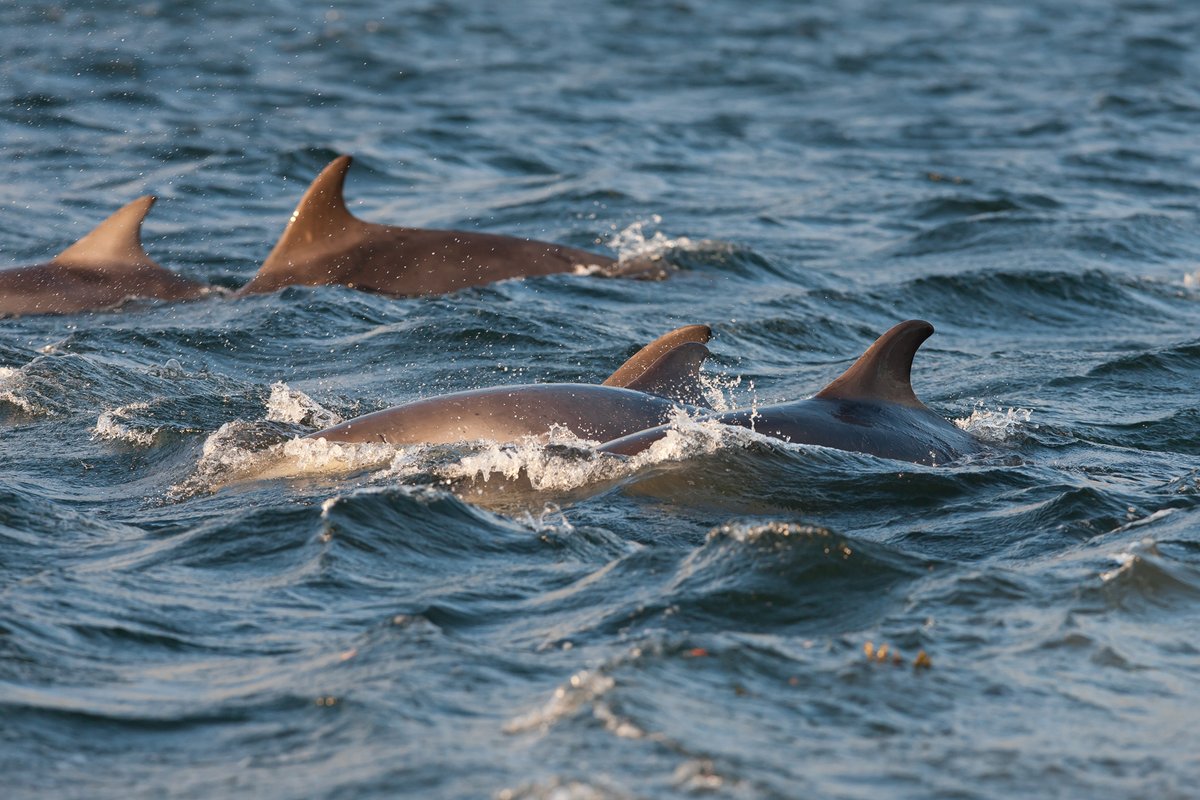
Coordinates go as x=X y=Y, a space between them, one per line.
x=871 y=409
x=643 y=393
x=324 y=244
x=103 y=269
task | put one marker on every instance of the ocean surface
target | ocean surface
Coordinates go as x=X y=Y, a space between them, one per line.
x=196 y=604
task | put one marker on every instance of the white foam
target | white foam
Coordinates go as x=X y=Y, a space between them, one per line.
x=1137 y=522
x=582 y=688
x=562 y=462
x=1127 y=559
x=616 y=725
x=558 y=788
x=319 y=457
x=995 y=426
x=749 y=534
x=289 y=405
x=111 y=425
x=697 y=775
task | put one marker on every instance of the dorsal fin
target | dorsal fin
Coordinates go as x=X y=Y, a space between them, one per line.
x=116 y=242
x=882 y=373
x=643 y=359
x=320 y=217
x=675 y=375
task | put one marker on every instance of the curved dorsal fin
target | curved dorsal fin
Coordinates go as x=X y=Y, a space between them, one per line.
x=882 y=372
x=643 y=359
x=320 y=217
x=675 y=375
x=116 y=242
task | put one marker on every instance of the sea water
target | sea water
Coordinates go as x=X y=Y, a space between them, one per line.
x=196 y=602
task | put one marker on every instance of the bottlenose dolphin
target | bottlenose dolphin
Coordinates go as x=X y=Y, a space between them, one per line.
x=660 y=377
x=103 y=269
x=324 y=244
x=871 y=409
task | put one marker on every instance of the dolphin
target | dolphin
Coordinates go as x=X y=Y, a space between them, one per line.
x=324 y=244
x=660 y=377
x=871 y=409
x=103 y=269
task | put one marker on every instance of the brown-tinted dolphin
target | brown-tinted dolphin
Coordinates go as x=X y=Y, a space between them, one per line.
x=103 y=269
x=324 y=244
x=640 y=394
x=871 y=408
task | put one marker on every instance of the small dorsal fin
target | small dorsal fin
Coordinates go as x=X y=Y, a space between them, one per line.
x=116 y=242
x=675 y=375
x=643 y=359
x=320 y=217
x=882 y=373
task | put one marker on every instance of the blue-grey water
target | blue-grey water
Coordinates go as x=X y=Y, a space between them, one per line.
x=193 y=604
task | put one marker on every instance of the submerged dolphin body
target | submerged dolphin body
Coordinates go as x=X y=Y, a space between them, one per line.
x=103 y=269
x=871 y=409
x=642 y=393
x=324 y=244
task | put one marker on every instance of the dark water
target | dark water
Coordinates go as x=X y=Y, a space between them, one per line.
x=174 y=621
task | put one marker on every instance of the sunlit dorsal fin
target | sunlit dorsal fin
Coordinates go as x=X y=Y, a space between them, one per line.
x=675 y=375
x=643 y=359
x=116 y=242
x=883 y=372
x=320 y=218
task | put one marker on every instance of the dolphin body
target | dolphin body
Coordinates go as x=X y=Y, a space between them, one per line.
x=642 y=393
x=871 y=409
x=103 y=269
x=324 y=244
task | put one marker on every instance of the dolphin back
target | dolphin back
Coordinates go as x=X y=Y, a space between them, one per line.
x=871 y=408
x=324 y=244
x=506 y=414
x=102 y=270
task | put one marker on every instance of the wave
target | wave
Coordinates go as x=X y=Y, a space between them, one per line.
x=1148 y=578
x=1036 y=296
x=789 y=576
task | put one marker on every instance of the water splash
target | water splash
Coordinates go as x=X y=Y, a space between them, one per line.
x=554 y=462
x=1000 y=425
x=551 y=520
x=11 y=385
x=112 y=425
x=241 y=451
x=632 y=241
x=721 y=390
x=688 y=437
x=289 y=405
